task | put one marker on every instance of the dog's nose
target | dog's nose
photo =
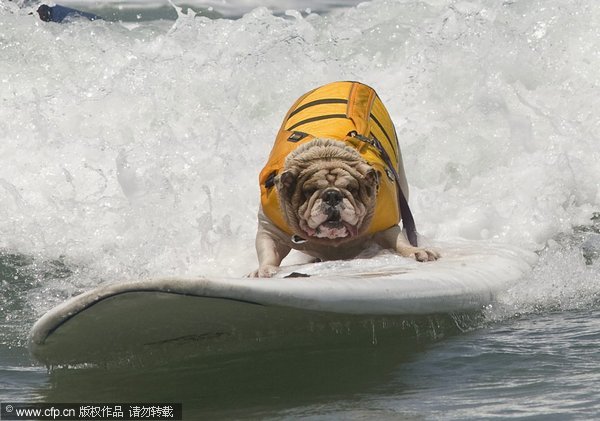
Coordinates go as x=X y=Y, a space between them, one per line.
x=332 y=197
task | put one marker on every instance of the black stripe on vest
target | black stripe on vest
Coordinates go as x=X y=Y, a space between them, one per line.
x=385 y=134
x=318 y=102
x=317 y=118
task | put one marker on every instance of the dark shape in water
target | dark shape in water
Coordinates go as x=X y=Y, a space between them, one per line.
x=59 y=14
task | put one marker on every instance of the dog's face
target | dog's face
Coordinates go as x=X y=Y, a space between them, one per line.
x=327 y=192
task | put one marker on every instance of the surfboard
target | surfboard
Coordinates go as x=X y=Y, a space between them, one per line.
x=364 y=300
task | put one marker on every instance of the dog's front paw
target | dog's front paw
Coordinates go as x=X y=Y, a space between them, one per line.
x=426 y=255
x=420 y=254
x=266 y=271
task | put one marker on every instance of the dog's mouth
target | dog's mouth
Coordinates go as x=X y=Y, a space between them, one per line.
x=333 y=228
x=331 y=217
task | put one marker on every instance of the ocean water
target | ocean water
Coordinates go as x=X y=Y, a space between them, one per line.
x=131 y=149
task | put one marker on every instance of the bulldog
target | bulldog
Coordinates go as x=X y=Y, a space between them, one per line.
x=335 y=182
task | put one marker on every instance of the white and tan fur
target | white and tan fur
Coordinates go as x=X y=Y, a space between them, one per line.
x=328 y=194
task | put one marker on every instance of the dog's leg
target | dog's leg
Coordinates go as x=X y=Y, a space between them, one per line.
x=394 y=239
x=271 y=251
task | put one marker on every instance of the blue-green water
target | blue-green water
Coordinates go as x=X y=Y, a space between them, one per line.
x=132 y=150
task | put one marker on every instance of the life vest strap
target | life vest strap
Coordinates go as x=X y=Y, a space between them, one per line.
x=407 y=218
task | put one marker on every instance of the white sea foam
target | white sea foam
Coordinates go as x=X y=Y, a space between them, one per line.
x=135 y=152
x=228 y=8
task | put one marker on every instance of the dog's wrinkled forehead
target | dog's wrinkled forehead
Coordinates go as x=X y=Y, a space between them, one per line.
x=336 y=175
x=321 y=150
x=326 y=155
x=323 y=163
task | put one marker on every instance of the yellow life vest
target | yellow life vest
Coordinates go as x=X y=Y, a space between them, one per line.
x=350 y=112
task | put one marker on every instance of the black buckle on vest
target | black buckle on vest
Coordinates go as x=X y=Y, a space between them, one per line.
x=296 y=239
x=296 y=137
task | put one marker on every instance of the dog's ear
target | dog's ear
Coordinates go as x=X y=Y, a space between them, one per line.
x=286 y=181
x=370 y=175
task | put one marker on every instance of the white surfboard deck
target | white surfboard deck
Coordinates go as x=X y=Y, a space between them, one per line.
x=337 y=301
